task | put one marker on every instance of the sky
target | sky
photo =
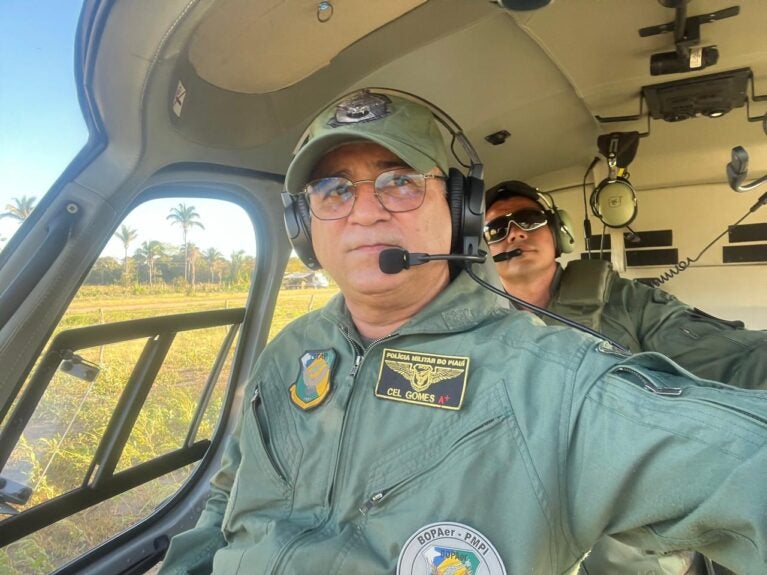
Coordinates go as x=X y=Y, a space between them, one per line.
x=42 y=130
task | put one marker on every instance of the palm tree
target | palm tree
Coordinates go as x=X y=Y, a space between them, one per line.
x=147 y=254
x=186 y=217
x=194 y=252
x=213 y=258
x=20 y=208
x=126 y=235
x=237 y=259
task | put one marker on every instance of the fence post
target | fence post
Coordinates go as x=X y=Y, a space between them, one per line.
x=101 y=348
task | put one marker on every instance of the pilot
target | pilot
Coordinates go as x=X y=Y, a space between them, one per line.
x=442 y=432
x=635 y=315
x=641 y=318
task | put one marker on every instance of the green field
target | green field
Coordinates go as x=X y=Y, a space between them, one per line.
x=61 y=439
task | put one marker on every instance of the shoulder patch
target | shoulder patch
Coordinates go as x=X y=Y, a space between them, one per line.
x=314 y=380
x=449 y=548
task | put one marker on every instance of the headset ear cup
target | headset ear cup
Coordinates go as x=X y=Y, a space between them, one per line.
x=298 y=221
x=456 y=197
x=594 y=198
x=565 y=238
x=614 y=202
x=304 y=216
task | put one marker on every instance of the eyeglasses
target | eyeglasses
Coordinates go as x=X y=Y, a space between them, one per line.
x=526 y=220
x=400 y=190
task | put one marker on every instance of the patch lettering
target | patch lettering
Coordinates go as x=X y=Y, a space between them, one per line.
x=449 y=548
x=423 y=378
x=314 y=380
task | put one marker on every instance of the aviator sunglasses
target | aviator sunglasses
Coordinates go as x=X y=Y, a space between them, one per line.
x=526 y=220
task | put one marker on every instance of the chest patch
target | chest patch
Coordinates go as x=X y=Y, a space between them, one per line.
x=449 y=548
x=314 y=380
x=423 y=378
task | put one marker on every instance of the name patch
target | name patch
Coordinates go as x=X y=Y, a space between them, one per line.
x=423 y=378
x=449 y=548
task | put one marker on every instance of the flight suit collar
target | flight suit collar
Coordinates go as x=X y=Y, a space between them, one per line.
x=462 y=305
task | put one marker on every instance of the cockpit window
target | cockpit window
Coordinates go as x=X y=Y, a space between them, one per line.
x=41 y=125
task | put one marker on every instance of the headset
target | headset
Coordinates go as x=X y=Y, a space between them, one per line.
x=614 y=200
x=559 y=220
x=465 y=193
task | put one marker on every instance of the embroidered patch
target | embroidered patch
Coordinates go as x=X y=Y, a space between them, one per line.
x=449 y=548
x=423 y=378
x=313 y=383
x=360 y=107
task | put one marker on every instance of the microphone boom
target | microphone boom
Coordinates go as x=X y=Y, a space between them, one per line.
x=394 y=260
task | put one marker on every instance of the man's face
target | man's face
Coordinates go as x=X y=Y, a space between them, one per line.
x=538 y=249
x=349 y=248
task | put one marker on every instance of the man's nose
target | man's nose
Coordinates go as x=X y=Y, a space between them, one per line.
x=367 y=208
x=515 y=233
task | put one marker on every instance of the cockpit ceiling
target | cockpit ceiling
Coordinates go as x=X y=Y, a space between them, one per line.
x=255 y=72
x=597 y=45
x=300 y=37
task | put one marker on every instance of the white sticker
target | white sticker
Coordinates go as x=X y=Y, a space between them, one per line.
x=178 y=99
x=696 y=57
x=454 y=548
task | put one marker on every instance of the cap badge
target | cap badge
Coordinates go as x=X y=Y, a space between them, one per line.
x=360 y=107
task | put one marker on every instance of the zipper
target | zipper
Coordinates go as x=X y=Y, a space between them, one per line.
x=380 y=495
x=649 y=385
x=372 y=501
x=359 y=357
x=358 y=360
x=265 y=438
x=680 y=392
x=356 y=366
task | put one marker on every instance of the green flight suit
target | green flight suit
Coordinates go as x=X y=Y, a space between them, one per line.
x=642 y=318
x=560 y=439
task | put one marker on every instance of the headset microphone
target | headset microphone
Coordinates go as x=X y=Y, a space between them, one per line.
x=394 y=260
x=507 y=255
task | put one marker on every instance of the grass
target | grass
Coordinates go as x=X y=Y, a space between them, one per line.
x=60 y=441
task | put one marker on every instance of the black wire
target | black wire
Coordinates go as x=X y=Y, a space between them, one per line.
x=685 y=263
x=727 y=229
x=602 y=243
x=452 y=149
x=586 y=221
x=543 y=311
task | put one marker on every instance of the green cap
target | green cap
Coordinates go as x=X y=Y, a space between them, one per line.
x=404 y=127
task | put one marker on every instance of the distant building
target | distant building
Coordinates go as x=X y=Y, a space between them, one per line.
x=299 y=280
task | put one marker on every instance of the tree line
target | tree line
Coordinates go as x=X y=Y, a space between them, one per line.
x=155 y=262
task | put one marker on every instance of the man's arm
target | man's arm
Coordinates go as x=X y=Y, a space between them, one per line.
x=665 y=462
x=709 y=347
